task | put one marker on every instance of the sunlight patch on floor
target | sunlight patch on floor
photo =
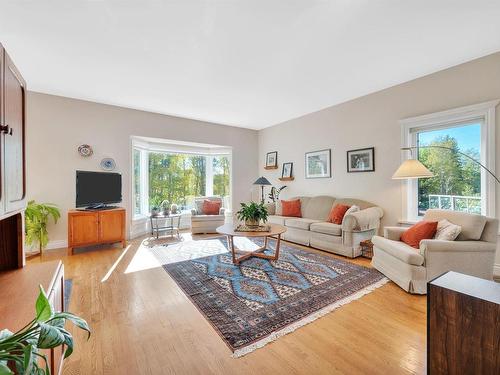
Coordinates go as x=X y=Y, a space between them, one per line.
x=115 y=264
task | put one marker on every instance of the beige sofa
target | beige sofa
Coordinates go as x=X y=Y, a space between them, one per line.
x=472 y=253
x=313 y=230
x=201 y=223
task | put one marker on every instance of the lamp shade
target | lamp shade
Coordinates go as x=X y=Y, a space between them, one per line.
x=412 y=168
x=262 y=181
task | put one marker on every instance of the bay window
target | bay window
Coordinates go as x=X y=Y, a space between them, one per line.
x=178 y=175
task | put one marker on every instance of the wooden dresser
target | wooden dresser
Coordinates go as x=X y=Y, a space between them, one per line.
x=86 y=228
x=18 y=293
x=463 y=325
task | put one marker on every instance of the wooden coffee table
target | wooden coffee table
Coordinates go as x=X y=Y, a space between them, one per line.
x=275 y=230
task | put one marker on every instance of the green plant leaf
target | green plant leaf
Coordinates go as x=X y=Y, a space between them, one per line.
x=28 y=359
x=4 y=333
x=49 y=337
x=68 y=341
x=76 y=320
x=4 y=370
x=43 y=308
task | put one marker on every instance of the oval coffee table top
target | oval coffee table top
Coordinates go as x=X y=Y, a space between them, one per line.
x=228 y=230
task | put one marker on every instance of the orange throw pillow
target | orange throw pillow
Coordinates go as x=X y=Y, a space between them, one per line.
x=291 y=208
x=423 y=230
x=211 y=207
x=337 y=213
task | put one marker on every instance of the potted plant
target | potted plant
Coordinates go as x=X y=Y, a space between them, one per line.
x=165 y=207
x=155 y=210
x=252 y=214
x=20 y=351
x=274 y=194
x=174 y=208
x=37 y=217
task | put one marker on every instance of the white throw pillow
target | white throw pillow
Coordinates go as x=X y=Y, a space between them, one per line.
x=351 y=209
x=278 y=210
x=447 y=231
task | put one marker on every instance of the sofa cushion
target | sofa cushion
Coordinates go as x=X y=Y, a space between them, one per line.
x=447 y=231
x=276 y=219
x=291 y=208
x=472 y=224
x=300 y=223
x=327 y=228
x=399 y=250
x=423 y=230
x=211 y=207
x=317 y=208
x=337 y=213
x=207 y=217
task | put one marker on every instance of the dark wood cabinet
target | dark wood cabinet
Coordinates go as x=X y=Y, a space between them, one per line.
x=86 y=228
x=463 y=325
x=12 y=163
x=14 y=137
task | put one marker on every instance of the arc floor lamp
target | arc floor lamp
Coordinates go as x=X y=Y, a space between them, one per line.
x=413 y=168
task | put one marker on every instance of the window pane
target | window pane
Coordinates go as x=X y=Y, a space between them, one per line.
x=176 y=178
x=137 y=182
x=456 y=184
x=221 y=178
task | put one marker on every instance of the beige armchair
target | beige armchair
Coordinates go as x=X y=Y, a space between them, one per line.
x=201 y=223
x=472 y=253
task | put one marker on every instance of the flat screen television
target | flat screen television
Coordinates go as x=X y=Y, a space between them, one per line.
x=98 y=189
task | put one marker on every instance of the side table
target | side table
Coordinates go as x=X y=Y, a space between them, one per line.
x=172 y=224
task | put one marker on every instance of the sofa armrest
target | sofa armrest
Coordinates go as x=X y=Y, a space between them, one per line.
x=394 y=233
x=427 y=246
x=362 y=220
x=222 y=211
x=194 y=212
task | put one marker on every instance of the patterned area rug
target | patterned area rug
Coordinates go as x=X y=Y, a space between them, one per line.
x=255 y=303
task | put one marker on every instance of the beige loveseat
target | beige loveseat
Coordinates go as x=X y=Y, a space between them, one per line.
x=201 y=223
x=472 y=253
x=313 y=230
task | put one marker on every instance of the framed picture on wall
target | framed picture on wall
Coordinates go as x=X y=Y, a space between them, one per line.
x=287 y=170
x=272 y=159
x=318 y=164
x=361 y=160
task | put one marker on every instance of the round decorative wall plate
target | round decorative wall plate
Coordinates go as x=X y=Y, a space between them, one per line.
x=85 y=150
x=108 y=164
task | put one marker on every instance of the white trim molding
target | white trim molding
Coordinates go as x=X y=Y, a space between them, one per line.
x=482 y=112
x=496 y=271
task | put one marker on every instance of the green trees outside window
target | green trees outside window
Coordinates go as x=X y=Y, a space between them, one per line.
x=456 y=184
x=179 y=178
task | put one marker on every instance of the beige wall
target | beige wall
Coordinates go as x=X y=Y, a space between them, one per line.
x=57 y=125
x=372 y=121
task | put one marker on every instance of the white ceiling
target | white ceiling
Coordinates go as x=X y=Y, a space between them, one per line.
x=251 y=63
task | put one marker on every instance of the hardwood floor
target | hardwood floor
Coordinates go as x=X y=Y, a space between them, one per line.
x=144 y=324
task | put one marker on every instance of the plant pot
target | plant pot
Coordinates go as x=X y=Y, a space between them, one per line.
x=173 y=208
x=166 y=212
x=154 y=212
x=252 y=223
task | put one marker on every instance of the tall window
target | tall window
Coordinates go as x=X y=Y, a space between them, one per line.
x=459 y=183
x=178 y=178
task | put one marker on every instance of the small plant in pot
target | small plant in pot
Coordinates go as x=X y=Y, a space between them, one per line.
x=165 y=207
x=155 y=210
x=252 y=214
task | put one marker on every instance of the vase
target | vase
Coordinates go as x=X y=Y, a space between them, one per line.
x=252 y=223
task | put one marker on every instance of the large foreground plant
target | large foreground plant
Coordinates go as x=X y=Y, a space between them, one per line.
x=20 y=351
x=37 y=217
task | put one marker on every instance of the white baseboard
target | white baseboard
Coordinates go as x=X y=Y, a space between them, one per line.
x=57 y=244
x=496 y=271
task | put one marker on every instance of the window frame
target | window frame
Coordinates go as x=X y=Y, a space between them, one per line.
x=483 y=113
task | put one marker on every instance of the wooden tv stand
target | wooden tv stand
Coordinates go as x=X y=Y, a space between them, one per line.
x=87 y=228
